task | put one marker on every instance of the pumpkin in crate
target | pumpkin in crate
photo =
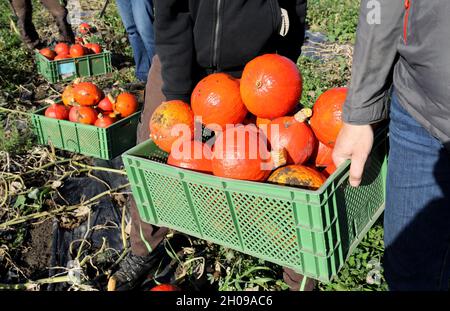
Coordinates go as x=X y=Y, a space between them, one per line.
x=192 y=155
x=322 y=156
x=271 y=86
x=171 y=121
x=83 y=115
x=105 y=120
x=48 y=53
x=68 y=96
x=62 y=48
x=326 y=120
x=293 y=135
x=125 y=104
x=57 y=111
x=297 y=176
x=241 y=152
x=217 y=100
x=86 y=93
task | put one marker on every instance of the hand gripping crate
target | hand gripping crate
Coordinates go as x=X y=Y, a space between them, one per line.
x=312 y=232
x=102 y=143
x=71 y=68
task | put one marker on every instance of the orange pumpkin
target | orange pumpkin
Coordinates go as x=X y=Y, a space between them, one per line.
x=293 y=135
x=105 y=104
x=68 y=96
x=192 y=155
x=93 y=47
x=85 y=28
x=48 y=53
x=241 y=153
x=62 y=56
x=77 y=50
x=326 y=120
x=166 y=117
x=271 y=86
x=82 y=114
x=262 y=121
x=165 y=288
x=217 y=99
x=62 y=48
x=322 y=155
x=125 y=105
x=329 y=170
x=297 y=176
x=87 y=94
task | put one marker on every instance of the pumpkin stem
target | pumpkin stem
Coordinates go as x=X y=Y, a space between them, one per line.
x=259 y=84
x=303 y=115
x=279 y=157
x=76 y=81
x=111 y=98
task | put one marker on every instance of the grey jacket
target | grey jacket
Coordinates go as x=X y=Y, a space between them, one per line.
x=409 y=48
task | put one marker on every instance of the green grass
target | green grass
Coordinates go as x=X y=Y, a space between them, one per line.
x=337 y=18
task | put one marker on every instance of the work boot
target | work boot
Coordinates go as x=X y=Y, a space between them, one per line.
x=133 y=269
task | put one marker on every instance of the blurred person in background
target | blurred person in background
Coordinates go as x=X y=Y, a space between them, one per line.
x=137 y=17
x=24 y=12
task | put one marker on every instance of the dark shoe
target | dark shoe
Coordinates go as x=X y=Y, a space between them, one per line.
x=133 y=269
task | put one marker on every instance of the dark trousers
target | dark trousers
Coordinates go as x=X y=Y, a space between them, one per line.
x=145 y=237
x=24 y=12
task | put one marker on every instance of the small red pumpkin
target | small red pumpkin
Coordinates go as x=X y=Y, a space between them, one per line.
x=57 y=111
x=105 y=104
x=85 y=28
x=86 y=93
x=293 y=135
x=48 y=53
x=271 y=86
x=165 y=118
x=83 y=114
x=192 y=155
x=241 y=153
x=217 y=100
x=104 y=120
x=326 y=120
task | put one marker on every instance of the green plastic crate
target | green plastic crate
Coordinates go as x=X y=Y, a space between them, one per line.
x=71 y=68
x=102 y=143
x=312 y=232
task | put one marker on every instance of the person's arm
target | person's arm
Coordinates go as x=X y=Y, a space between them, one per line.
x=373 y=62
x=291 y=44
x=175 y=47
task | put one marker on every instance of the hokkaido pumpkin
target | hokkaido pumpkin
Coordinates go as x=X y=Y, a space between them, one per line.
x=48 y=53
x=85 y=28
x=192 y=155
x=217 y=100
x=165 y=288
x=125 y=104
x=62 y=48
x=95 y=48
x=77 y=50
x=104 y=120
x=293 y=135
x=165 y=118
x=322 y=156
x=86 y=93
x=83 y=114
x=297 y=176
x=57 y=111
x=62 y=56
x=271 y=86
x=326 y=120
x=68 y=96
x=105 y=104
x=241 y=152
x=329 y=170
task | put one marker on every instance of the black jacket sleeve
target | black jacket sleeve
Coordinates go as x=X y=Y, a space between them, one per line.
x=291 y=44
x=175 y=47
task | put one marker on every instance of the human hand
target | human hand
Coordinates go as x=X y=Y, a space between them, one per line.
x=354 y=143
